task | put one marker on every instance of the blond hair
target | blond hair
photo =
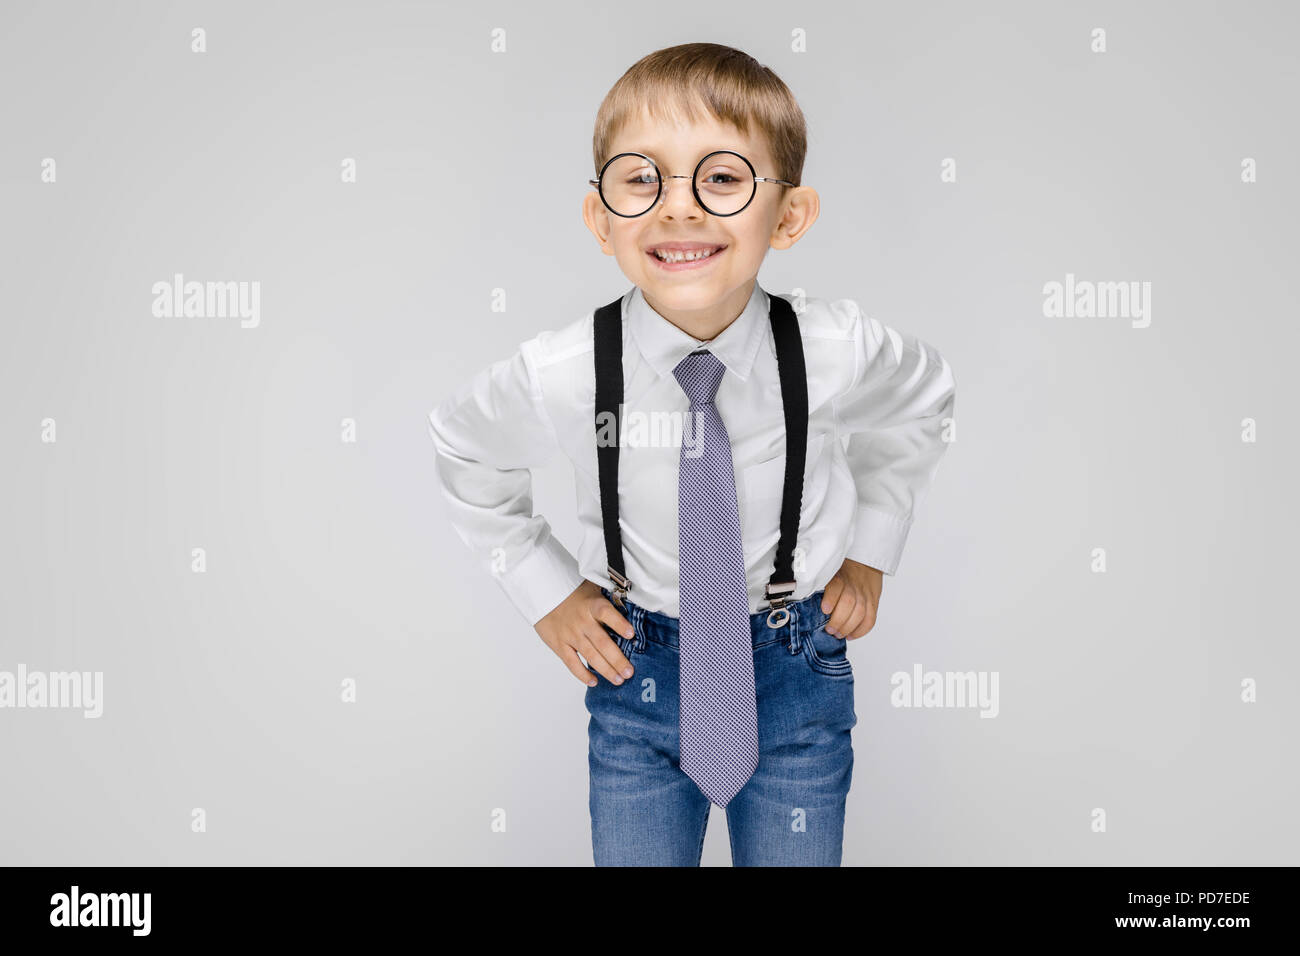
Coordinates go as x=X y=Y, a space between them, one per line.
x=673 y=83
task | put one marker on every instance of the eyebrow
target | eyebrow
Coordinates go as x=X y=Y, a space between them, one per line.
x=658 y=157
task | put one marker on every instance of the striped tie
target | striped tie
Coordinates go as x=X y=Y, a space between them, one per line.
x=719 y=714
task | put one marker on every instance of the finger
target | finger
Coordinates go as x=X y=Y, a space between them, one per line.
x=596 y=660
x=607 y=648
x=575 y=666
x=869 y=621
x=606 y=613
x=853 y=627
x=832 y=594
x=843 y=611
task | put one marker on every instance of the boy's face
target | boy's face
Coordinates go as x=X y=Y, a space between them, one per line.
x=702 y=297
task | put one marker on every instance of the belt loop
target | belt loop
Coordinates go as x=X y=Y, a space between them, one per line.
x=796 y=624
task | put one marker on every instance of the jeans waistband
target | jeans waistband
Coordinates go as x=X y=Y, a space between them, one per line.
x=805 y=615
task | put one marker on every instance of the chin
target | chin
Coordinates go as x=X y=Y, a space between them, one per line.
x=678 y=295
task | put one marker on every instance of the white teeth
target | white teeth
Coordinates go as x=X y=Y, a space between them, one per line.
x=683 y=256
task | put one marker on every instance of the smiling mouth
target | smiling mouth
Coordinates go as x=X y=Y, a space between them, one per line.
x=677 y=257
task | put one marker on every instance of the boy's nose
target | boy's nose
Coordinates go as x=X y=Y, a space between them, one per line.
x=677 y=197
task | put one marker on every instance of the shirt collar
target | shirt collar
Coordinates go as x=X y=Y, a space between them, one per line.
x=664 y=345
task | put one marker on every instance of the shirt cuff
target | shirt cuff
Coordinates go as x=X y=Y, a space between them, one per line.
x=878 y=540
x=542 y=580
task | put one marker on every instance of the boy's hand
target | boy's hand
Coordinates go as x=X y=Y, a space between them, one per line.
x=851 y=598
x=574 y=628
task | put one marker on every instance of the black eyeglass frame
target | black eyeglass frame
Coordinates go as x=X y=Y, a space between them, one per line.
x=597 y=182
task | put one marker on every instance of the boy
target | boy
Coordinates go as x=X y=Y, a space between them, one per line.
x=743 y=693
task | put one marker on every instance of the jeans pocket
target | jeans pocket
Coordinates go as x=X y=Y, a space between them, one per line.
x=826 y=654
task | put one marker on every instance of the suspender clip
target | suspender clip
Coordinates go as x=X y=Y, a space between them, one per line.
x=621 y=586
x=777 y=596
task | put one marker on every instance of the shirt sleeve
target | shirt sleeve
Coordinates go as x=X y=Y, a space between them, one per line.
x=895 y=410
x=487 y=435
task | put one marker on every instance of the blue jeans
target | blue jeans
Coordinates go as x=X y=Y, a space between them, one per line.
x=646 y=812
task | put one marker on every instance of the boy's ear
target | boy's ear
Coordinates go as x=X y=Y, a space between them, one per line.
x=596 y=216
x=800 y=209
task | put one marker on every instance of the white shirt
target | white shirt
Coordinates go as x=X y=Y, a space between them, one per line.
x=889 y=394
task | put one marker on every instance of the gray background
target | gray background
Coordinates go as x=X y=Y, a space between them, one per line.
x=329 y=561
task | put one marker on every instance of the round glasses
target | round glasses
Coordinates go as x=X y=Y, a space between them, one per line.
x=723 y=183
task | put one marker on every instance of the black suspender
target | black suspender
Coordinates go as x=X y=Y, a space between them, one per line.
x=608 y=334
x=794 y=399
x=608 y=340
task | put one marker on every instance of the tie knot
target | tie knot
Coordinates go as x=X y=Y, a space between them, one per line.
x=699 y=375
